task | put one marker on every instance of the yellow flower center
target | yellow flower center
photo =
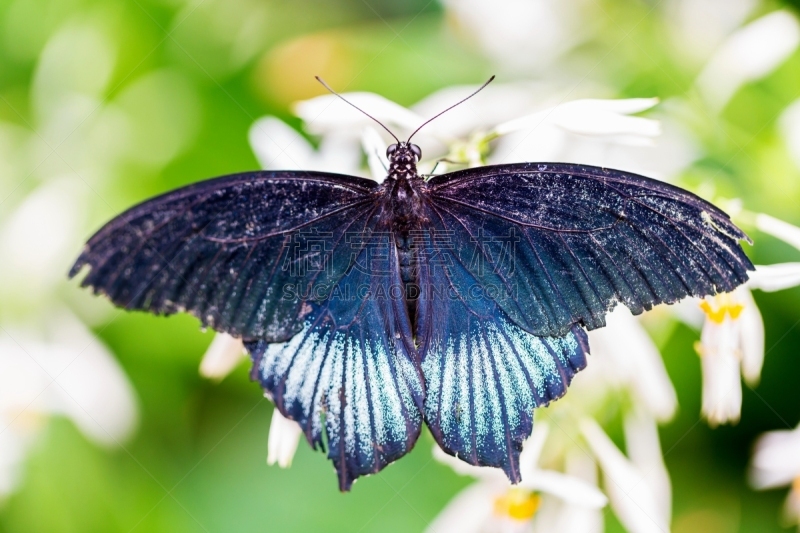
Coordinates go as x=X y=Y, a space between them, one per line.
x=796 y=485
x=720 y=305
x=519 y=504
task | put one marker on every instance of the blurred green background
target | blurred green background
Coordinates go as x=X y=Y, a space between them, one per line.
x=196 y=75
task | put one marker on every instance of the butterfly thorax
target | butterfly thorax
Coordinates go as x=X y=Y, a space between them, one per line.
x=405 y=189
x=403 y=169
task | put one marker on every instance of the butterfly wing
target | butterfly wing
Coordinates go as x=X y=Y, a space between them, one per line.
x=291 y=262
x=566 y=243
x=484 y=375
x=525 y=257
x=351 y=373
x=240 y=252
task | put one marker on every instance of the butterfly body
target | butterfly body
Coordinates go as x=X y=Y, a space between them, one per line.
x=460 y=302
x=404 y=192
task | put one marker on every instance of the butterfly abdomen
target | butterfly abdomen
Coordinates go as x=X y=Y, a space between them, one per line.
x=409 y=275
x=406 y=194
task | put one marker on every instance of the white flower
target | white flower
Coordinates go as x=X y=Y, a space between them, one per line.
x=497 y=102
x=608 y=118
x=591 y=131
x=494 y=504
x=771 y=278
x=375 y=150
x=580 y=131
x=701 y=25
x=749 y=54
x=568 y=518
x=790 y=128
x=625 y=356
x=284 y=435
x=731 y=344
x=732 y=338
x=644 y=450
x=78 y=58
x=328 y=113
x=638 y=488
x=39 y=239
x=222 y=356
x=784 y=231
x=149 y=120
x=522 y=34
x=776 y=463
x=71 y=375
x=278 y=146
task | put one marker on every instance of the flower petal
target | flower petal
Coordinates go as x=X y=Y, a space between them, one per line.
x=532 y=448
x=92 y=389
x=72 y=375
x=375 y=148
x=486 y=473
x=38 y=238
x=630 y=496
x=338 y=154
x=328 y=113
x=599 y=117
x=701 y=25
x=722 y=387
x=522 y=35
x=591 y=117
x=573 y=518
x=791 y=509
x=770 y=278
x=689 y=312
x=749 y=54
x=776 y=459
x=784 y=231
x=284 y=435
x=790 y=128
x=644 y=450
x=751 y=338
x=278 y=146
x=468 y=512
x=568 y=488
x=13 y=447
x=631 y=356
x=222 y=356
x=496 y=103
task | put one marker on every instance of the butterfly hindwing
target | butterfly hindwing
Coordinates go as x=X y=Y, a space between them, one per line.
x=351 y=374
x=582 y=239
x=239 y=252
x=484 y=374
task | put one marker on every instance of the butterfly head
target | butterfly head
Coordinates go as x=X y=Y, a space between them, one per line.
x=403 y=157
x=404 y=153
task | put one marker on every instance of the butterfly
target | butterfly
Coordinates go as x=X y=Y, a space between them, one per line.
x=460 y=302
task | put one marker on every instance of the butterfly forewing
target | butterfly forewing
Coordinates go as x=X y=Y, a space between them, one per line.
x=242 y=252
x=583 y=239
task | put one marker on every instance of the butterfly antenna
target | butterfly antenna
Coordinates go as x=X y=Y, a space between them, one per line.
x=352 y=104
x=451 y=107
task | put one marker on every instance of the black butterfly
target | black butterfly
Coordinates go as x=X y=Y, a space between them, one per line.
x=461 y=301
